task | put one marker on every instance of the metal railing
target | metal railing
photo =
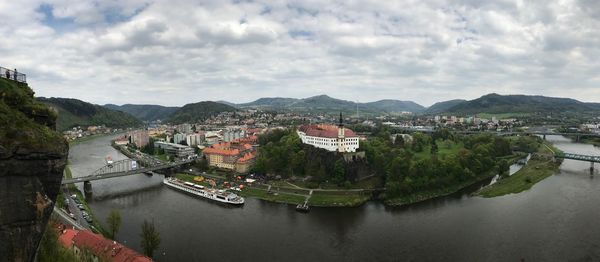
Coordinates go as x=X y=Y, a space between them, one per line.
x=12 y=75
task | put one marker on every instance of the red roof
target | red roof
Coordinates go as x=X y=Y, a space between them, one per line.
x=247 y=157
x=328 y=131
x=105 y=248
x=66 y=237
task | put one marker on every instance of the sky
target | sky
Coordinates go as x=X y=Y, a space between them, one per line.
x=174 y=52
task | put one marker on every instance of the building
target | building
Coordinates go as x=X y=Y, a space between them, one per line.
x=236 y=155
x=139 y=138
x=176 y=150
x=178 y=138
x=194 y=139
x=329 y=137
x=230 y=135
x=99 y=248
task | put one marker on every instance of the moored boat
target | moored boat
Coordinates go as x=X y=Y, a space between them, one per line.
x=199 y=190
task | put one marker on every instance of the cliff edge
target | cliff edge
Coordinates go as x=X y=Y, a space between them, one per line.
x=32 y=159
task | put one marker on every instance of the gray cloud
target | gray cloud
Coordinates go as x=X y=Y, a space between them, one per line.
x=181 y=51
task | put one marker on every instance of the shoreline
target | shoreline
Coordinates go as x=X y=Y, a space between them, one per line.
x=539 y=167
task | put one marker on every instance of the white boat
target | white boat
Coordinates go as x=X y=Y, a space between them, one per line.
x=198 y=190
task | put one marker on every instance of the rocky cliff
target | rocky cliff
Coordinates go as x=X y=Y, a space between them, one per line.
x=32 y=159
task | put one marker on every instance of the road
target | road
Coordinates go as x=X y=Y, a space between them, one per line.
x=72 y=207
x=64 y=217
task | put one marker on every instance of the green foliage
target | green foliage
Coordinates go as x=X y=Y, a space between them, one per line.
x=145 y=112
x=26 y=123
x=150 y=238
x=73 y=112
x=428 y=166
x=114 y=223
x=195 y=112
x=50 y=249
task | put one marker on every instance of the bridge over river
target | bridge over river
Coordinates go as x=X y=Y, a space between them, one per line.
x=121 y=168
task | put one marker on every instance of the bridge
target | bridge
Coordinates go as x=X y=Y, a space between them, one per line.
x=121 y=168
x=505 y=133
x=587 y=158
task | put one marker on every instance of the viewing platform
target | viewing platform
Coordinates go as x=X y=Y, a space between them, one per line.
x=13 y=75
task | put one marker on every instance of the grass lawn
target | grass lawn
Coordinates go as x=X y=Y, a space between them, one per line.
x=331 y=200
x=444 y=148
x=536 y=170
x=278 y=197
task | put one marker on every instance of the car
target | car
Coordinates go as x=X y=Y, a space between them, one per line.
x=71 y=215
x=80 y=206
x=74 y=196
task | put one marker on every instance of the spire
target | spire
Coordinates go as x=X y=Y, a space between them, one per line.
x=341 y=120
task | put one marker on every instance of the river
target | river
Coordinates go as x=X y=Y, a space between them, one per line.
x=556 y=220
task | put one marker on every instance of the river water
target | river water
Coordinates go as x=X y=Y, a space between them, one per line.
x=556 y=220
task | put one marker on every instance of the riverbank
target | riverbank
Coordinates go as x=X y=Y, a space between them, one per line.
x=86 y=138
x=540 y=166
x=95 y=224
x=432 y=194
x=297 y=195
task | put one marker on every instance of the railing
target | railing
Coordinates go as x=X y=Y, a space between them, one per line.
x=12 y=75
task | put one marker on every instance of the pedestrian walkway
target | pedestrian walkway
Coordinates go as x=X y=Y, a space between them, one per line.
x=13 y=75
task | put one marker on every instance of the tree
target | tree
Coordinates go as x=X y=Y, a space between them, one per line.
x=150 y=238
x=503 y=168
x=434 y=148
x=399 y=141
x=114 y=223
x=339 y=172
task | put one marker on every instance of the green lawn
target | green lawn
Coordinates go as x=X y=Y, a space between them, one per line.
x=502 y=116
x=331 y=200
x=444 y=148
x=536 y=170
x=278 y=197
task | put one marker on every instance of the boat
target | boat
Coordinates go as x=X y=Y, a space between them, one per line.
x=109 y=161
x=199 y=190
x=303 y=207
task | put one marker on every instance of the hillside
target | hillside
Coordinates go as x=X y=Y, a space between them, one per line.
x=443 y=106
x=145 y=112
x=496 y=104
x=389 y=105
x=73 y=112
x=32 y=159
x=271 y=102
x=199 y=111
x=327 y=104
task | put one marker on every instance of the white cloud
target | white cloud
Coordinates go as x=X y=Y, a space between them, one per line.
x=176 y=52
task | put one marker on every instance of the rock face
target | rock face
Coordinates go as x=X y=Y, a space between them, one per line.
x=32 y=159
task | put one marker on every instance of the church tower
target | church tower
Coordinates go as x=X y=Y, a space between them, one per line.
x=341 y=135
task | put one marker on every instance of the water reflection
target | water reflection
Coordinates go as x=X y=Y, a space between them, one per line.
x=555 y=220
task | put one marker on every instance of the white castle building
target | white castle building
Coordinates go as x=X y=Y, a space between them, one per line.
x=329 y=137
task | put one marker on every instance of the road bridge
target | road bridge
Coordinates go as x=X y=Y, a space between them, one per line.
x=119 y=169
x=580 y=157
x=507 y=133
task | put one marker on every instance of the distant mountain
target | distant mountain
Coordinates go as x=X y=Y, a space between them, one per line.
x=389 y=105
x=73 y=112
x=324 y=103
x=271 y=102
x=495 y=104
x=443 y=106
x=199 y=111
x=145 y=112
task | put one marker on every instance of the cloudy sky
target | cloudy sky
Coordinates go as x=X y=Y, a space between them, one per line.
x=174 y=52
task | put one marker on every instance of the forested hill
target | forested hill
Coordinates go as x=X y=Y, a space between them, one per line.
x=496 y=104
x=195 y=112
x=145 y=112
x=327 y=104
x=73 y=112
x=440 y=107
